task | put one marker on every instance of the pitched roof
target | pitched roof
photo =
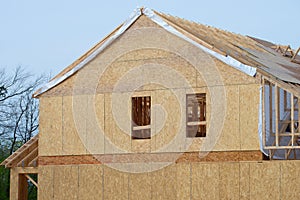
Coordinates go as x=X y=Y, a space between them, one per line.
x=247 y=54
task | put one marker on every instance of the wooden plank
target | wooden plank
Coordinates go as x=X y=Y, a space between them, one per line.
x=271 y=106
x=22 y=187
x=31 y=180
x=282 y=147
x=26 y=170
x=277 y=114
x=28 y=158
x=14 y=184
x=193 y=37
x=292 y=118
x=21 y=152
x=263 y=112
x=196 y=123
x=33 y=163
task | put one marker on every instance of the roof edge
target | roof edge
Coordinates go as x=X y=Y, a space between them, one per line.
x=106 y=42
x=132 y=18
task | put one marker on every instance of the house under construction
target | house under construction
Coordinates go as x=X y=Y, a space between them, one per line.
x=165 y=108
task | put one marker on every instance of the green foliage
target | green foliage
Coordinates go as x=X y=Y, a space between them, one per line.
x=4 y=175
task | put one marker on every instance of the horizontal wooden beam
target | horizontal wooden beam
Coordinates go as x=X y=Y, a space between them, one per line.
x=26 y=170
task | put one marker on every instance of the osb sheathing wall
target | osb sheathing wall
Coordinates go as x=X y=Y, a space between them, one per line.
x=228 y=180
x=87 y=98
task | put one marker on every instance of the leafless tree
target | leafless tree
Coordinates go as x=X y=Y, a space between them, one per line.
x=18 y=110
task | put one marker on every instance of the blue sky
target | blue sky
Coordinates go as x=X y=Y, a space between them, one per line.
x=47 y=36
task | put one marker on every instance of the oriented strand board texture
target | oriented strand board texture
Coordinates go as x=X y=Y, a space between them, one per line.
x=65 y=183
x=95 y=124
x=93 y=114
x=115 y=184
x=206 y=180
x=90 y=182
x=45 y=183
x=50 y=126
x=249 y=108
x=229 y=138
x=290 y=180
x=74 y=129
x=265 y=180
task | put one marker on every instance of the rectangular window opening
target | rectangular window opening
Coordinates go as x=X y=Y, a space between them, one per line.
x=141 y=118
x=196 y=115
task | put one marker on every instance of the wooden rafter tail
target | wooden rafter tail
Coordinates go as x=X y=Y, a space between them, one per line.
x=22 y=153
x=27 y=159
x=293 y=59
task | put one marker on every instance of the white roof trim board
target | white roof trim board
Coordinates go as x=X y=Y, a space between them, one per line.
x=158 y=20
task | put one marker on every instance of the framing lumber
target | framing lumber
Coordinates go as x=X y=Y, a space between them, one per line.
x=192 y=36
x=31 y=180
x=277 y=116
x=292 y=118
x=263 y=113
x=22 y=154
x=271 y=106
x=26 y=170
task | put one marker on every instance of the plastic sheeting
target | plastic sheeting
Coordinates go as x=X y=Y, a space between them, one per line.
x=158 y=20
x=284 y=115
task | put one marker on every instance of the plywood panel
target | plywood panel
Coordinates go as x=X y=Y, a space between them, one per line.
x=164 y=181
x=74 y=127
x=232 y=76
x=95 y=124
x=45 y=183
x=90 y=182
x=117 y=122
x=139 y=186
x=230 y=137
x=290 y=173
x=205 y=181
x=265 y=180
x=50 y=129
x=249 y=107
x=183 y=183
x=115 y=184
x=158 y=184
x=65 y=182
x=244 y=180
x=167 y=118
x=229 y=181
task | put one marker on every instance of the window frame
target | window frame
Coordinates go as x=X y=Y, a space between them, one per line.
x=196 y=124
x=141 y=117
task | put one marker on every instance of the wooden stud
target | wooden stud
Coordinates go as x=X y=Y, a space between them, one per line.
x=271 y=107
x=292 y=118
x=263 y=113
x=23 y=187
x=277 y=114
